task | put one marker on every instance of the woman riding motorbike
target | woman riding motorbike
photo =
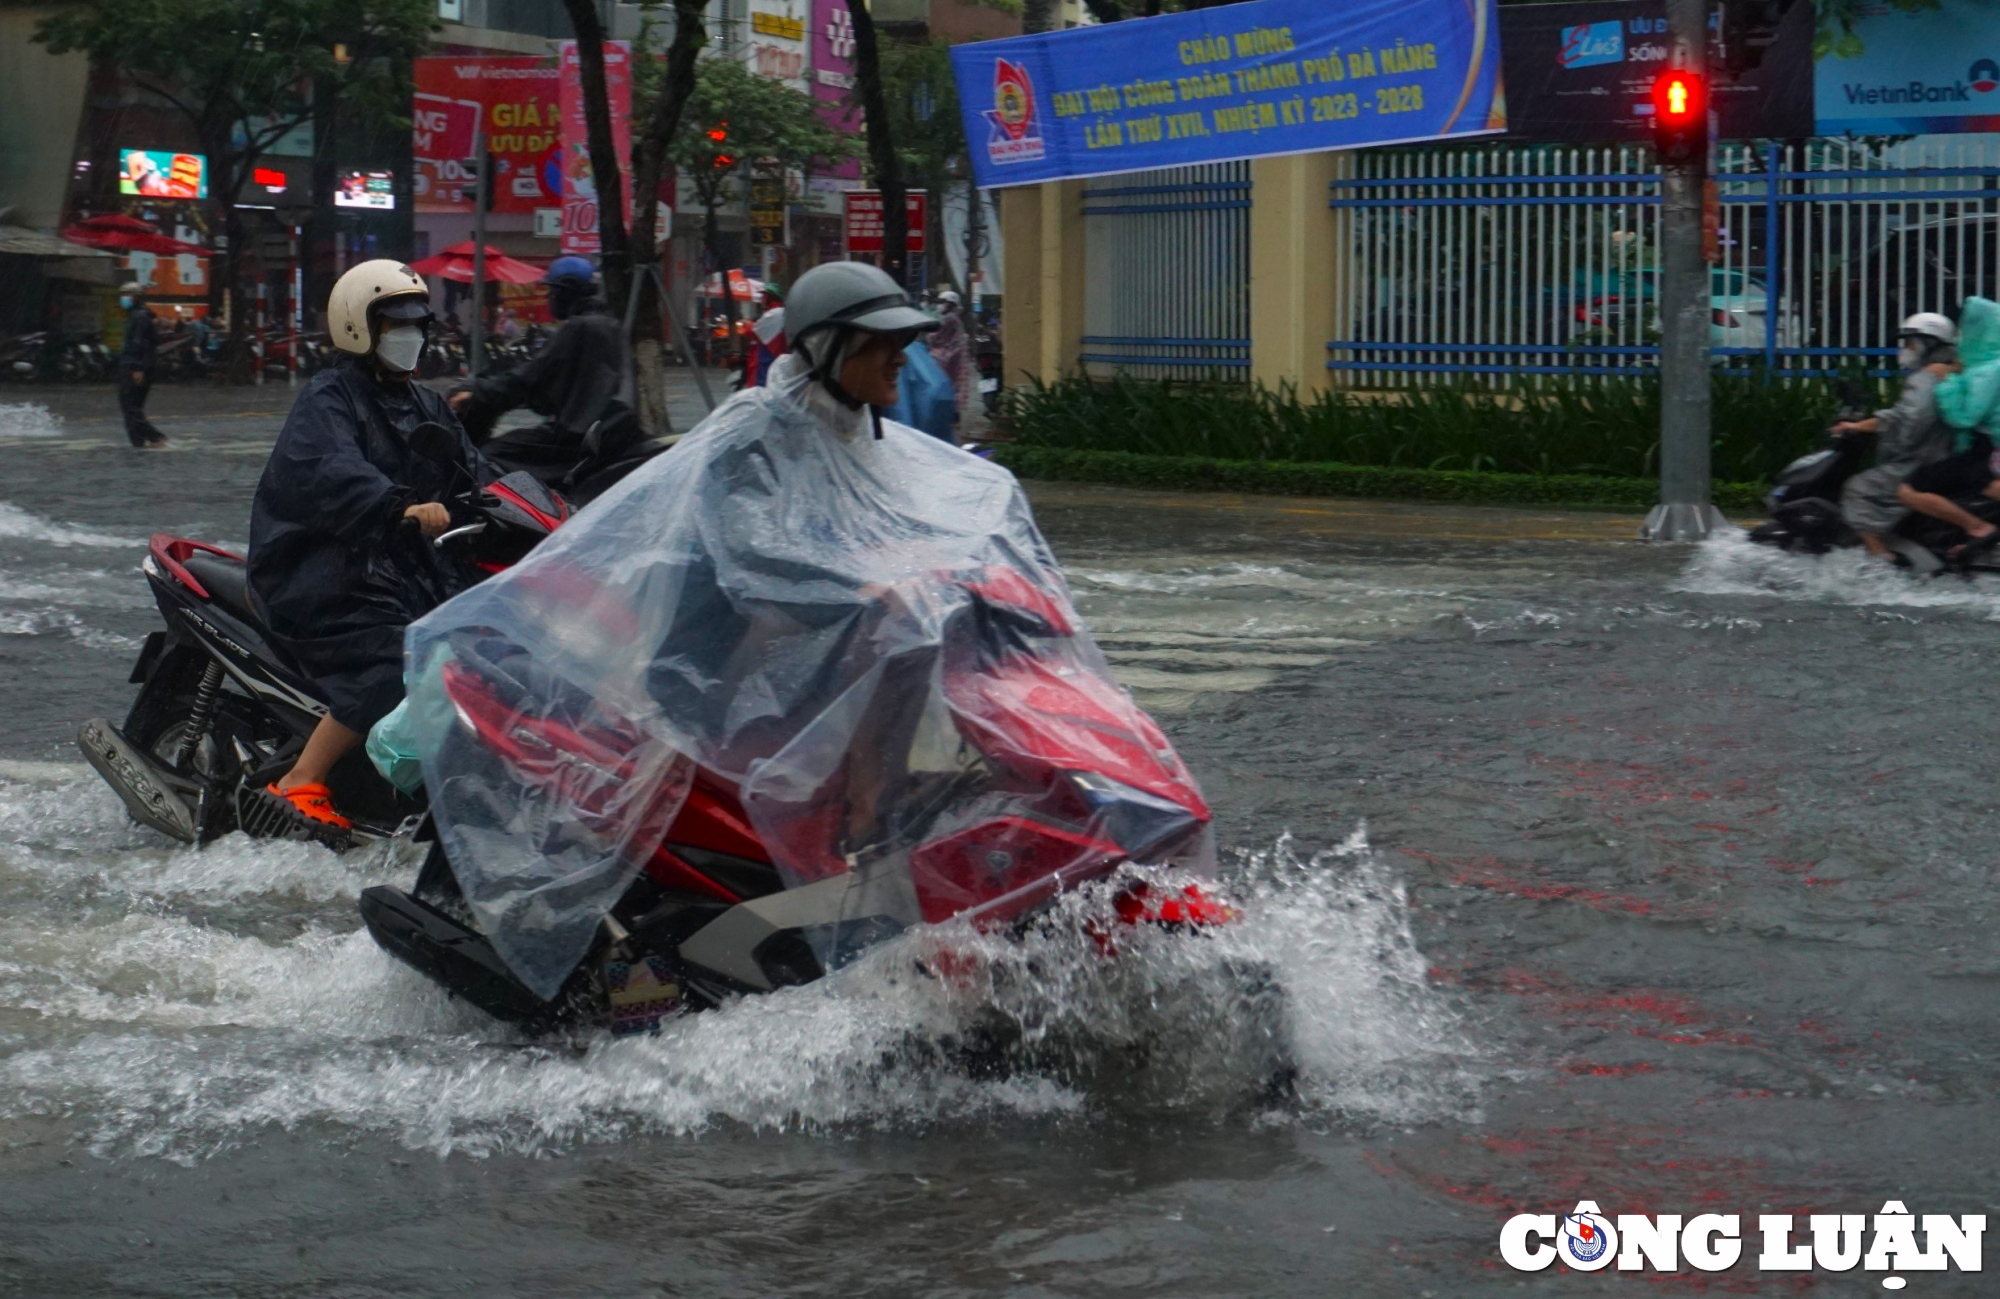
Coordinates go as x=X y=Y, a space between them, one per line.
x=332 y=569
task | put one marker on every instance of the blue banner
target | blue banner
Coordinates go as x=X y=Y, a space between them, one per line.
x=1240 y=81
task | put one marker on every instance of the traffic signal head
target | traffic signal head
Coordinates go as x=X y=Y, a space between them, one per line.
x=1680 y=116
x=718 y=140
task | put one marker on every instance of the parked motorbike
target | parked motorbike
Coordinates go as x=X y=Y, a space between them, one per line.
x=21 y=356
x=1804 y=503
x=222 y=711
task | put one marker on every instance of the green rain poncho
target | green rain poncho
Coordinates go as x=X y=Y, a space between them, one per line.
x=1969 y=399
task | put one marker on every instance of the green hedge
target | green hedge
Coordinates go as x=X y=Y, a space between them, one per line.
x=1278 y=477
x=1600 y=428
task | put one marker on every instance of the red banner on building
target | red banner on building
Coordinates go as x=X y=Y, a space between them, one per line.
x=864 y=219
x=519 y=100
x=579 y=188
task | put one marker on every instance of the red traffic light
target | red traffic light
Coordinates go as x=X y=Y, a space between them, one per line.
x=1680 y=97
x=1680 y=116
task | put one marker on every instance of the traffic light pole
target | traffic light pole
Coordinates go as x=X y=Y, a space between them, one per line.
x=1684 y=512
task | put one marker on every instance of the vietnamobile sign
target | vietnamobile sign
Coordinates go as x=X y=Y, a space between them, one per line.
x=1236 y=81
x=1925 y=71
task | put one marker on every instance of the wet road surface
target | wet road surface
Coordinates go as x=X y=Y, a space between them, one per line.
x=1658 y=877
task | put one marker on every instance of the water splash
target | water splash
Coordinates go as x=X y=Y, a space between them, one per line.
x=28 y=419
x=17 y=523
x=1731 y=564
x=178 y=1034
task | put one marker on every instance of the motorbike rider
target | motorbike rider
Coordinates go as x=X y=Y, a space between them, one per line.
x=1969 y=401
x=333 y=571
x=572 y=382
x=1910 y=434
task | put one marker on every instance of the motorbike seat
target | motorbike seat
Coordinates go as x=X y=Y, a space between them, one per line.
x=227 y=582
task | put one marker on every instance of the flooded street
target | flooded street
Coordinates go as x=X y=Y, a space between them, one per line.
x=1661 y=877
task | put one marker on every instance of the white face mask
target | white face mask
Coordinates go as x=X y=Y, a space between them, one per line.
x=1909 y=358
x=400 y=347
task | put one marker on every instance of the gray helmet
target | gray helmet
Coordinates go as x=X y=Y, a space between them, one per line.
x=850 y=295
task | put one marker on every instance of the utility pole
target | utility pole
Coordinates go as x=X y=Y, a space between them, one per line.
x=1684 y=512
x=484 y=179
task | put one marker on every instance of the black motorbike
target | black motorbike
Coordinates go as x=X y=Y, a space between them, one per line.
x=222 y=711
x=1804 y=504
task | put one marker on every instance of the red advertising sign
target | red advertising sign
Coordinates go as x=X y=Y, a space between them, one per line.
x=579 y=187
x=864 y=219
x=519 y=100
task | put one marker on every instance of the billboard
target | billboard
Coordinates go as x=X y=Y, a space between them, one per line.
x=150 y=173
x=518 y=101
x=579 y=186
x=1931 y=70
x=833 y=77
x=375 y=190
x=863 y=219
x=778 y=40
x=1237 y=81
x=1584 y=73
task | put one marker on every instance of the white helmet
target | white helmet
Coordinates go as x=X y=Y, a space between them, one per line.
x=1929 y=324
x=951 y=296
x=372 y=291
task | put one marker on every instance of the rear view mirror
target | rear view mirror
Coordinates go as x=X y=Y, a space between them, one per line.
x=435 y=443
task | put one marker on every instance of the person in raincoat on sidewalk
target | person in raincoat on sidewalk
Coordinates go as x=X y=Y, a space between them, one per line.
x=1969 y=401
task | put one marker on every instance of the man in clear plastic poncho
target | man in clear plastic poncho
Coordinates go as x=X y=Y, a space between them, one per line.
x=802 y=600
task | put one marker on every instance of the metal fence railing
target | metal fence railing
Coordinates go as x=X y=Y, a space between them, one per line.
x=1503 y=262
x=1168 y=271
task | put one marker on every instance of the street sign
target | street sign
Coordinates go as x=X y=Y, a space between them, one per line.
x=864 y=220
x=548 y=223
x=767 y=211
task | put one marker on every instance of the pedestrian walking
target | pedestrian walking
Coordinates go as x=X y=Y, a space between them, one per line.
x=951 y=348
x=135 y=370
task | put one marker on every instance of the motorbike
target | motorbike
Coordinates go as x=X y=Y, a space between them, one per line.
x=710 y=916
x=222 y=710
x=1804 y=503
x=21 y=356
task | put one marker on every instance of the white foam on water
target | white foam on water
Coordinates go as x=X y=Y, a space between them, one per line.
x=61 y=622
x=17 y=523
x=28 y=419
x=90 y=588
x=174 y=1035
x=1731 y=564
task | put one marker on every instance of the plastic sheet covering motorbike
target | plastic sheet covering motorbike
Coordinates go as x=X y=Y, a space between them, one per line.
x=866 y=641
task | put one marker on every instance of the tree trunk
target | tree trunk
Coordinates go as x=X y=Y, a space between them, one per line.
x=606 y=167
x=883 y=160
x=235 y=363
x=649 y=342
x=1036 y=16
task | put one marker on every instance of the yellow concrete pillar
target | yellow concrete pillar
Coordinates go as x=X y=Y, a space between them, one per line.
x=1042 y=319
x=1299 y=260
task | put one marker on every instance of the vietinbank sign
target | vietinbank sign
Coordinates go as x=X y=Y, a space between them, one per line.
x=1929 y=70
x=1587 y=1240
x=1236 y=81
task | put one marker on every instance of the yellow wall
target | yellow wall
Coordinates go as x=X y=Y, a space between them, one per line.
x=1298 y=260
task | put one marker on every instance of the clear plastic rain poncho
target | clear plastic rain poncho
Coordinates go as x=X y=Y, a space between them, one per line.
x=867 y=641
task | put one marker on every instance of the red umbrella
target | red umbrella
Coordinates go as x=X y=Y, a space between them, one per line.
x=455 y=264
x=126 y=234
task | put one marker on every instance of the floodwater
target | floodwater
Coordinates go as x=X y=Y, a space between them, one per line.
x=1658 y=877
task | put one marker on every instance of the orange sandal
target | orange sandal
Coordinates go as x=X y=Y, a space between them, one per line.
x=301 y=812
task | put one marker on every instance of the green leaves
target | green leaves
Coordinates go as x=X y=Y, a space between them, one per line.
x=758 y=118
x=1606 y=428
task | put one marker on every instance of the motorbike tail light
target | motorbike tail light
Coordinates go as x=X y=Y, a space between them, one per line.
x=1725 y=319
